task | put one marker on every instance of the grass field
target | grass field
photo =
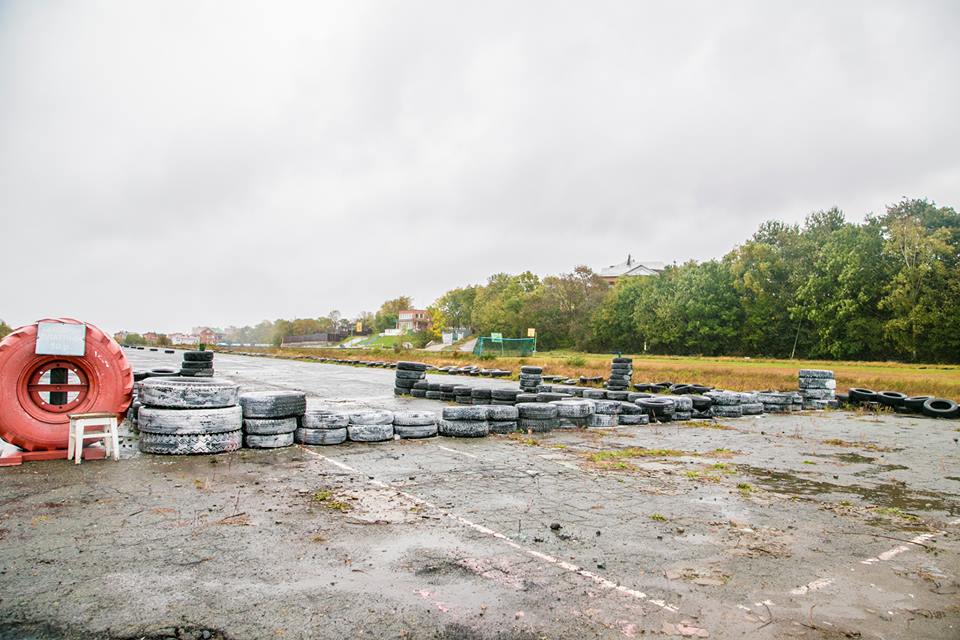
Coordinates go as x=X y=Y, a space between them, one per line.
x=728 y=373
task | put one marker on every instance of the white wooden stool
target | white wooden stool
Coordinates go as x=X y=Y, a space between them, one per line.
x=79 y=422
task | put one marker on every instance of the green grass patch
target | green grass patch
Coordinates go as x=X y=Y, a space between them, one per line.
x=635 y=452
x=656 y=517
x=744 y=487
x=326 y=498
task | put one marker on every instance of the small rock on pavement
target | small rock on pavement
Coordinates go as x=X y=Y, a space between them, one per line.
x=684 y=629
x=555 y=526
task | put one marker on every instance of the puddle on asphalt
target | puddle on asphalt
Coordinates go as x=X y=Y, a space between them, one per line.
x=886 y=495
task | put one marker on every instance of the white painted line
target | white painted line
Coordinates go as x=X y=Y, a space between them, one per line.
x=461 y=453
x=597 y=579
x=816 y=585
x=891 y=553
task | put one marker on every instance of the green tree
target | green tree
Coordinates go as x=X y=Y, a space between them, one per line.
x=456 y=306
x=4 y=329
x=386 y=317
x=613 y=323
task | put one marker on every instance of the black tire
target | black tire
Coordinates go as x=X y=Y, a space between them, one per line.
x=601 y=420
x=418 y=393
x=502 y=413
x=538 y=425
x=408 y=432
x=275 y=441
x=632 y=420
x=502 y=427
x=530 y=369
x=464 y=428
x=196 y=373
x=617 y=395
x=404 y=383
x=162 y=373
x=414 y=418
x=189 y=393
x=573 y=408
x=178 y=445
x=862 y=395
x=481 y=394
x=198 y=356
x=537 y=410
x=411 y=366
x=816 y=373
x=594 y=394
x=179 y=422
x=370 y=432
x=470 y=412
x=504 y=394
x=607 y=407
x=891 y=398
x=199 y=366
x=139 y=375
x=320 y=436
x=434 y=395
x=268 y=426
x=406 y=374
x=371 y=416
x=273 y=404
x=323 y=419
x=727 y=411
x=941 y=408
x=914 y=403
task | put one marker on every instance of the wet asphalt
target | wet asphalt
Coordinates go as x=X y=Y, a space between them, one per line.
x=814 y=525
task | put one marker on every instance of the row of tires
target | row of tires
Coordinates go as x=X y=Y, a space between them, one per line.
x=929 y=406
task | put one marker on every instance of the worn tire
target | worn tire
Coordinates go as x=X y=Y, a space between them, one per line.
x=538 y=425
x=324 y=419
x=891 y=398
x=914 y=403
x=198 y=356
x=469 y=412
x=371 y=416
x=599 y=420
x=205 y=443
x=189 y=393
x=275 y=441
x=573 y=408
x=608 y=407
x=537 y=410
x=414 y=418
x=502 y=413
x=414 y=431
x=273 y=404
x=404 y=374
x=370 y=432
x=181 y=422
x=630 y=420
x=199 y=366
x=320 y=436
x=941 y=408
x=268 y=426
x=503 y=426
x=464 y=428
x=862 y=395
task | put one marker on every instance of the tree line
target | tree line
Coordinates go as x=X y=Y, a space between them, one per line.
x=885 y=288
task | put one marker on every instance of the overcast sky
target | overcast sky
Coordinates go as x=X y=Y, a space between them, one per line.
x=166 y=165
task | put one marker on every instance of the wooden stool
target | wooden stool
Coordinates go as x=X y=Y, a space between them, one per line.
x=80 y=421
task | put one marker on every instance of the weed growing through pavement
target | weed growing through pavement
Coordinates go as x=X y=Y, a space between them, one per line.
x=656 y=517
x=744 y=487
x=326 y=499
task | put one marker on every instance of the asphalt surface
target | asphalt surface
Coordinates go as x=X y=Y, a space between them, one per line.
x=820 y=525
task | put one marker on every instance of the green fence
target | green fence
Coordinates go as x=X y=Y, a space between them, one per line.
x=505 y=346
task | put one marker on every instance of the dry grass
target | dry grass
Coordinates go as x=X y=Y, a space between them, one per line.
x=728 y=373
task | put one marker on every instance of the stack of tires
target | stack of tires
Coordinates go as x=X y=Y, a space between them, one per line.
x=530 y=378
x=375 y=425
x=504 y=397
x=408 y=374
x=197 y=364
x=573 y=413
x=776 y=401
x=817 y=388
x=446 y=393
x=181 y=416
x=683 y=408
x=481 y=396
x=414 y=424
x=658 y=408
x=420 y=388
x=321 y=426
x=605 y=413
x=464 y=422
x=462 y=394
x=537 y=417
x=632 y=415
x=750 y=404
x=433 y=391
x=502 y=418
x=726 y=404
x=621 y=374
x=270 y=418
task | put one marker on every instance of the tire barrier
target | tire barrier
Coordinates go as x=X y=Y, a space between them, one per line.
x=621 y=374
x=271 y=418
x=817 y=389
x=38 y=392
x=197 y=364
x=184 y=416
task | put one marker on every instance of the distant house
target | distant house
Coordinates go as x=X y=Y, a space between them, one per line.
x=151 y=337
x=180 y=339
x=630 y=268
x=413 y=320
x=209 y=336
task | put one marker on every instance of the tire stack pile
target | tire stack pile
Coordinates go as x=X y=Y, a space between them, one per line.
x=420 y=388
x=530 y=378
x=414 y=424
x=632 y=415
x=930 y=406
x=408 y=374
x=502 y=418
x=446 y=393
x=464 y=422
x=321 y=426
x=481 y=396
x=621 y=373
x=726 y=404
x=433 y=391
x=750 y=404
x=817 y=388
x=683 y=408
x=370 y=426
x=181 y=416
x=573 y=413
x=537 y=417
x=270 y=418
x=462 y=394
x=197 y=364
x=658 y=408
x=503 y=397
x=605 y=413
x=775 y=401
